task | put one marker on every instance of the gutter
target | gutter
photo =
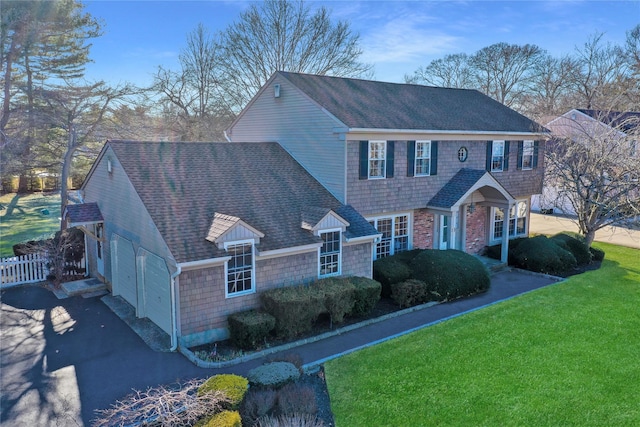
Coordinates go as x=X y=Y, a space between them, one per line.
x=174 y=310
x=443 y=132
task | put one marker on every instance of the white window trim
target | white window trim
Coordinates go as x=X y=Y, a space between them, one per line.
x=253 y=269
x=506 y=222
x=428 y=158
x=339 y=272
x=393 y=218
x=530 y=167
x=493 y=146
x=384 y=159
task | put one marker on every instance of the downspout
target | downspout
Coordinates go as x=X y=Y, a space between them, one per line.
x=174 y=310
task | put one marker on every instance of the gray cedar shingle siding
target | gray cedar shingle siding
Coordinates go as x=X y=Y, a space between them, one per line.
x=379 y=105
x=183 y=185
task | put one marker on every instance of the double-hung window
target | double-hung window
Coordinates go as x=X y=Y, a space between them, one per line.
x=527 y=155
x=330 y=253
x=423 y=158
x=395 y=234
x=377 y=159
x=240 y=268
x=518 y=219
x=497 y=156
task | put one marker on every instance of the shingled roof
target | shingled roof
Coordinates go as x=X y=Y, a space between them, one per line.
x=82 y=213
x=367 y=104
x=184 y=184
x=460 y=184
x=623 y=120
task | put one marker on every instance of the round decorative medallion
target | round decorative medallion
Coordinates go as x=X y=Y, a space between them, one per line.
x=462 y=154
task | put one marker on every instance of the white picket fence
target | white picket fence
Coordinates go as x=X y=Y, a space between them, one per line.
x=18 y=270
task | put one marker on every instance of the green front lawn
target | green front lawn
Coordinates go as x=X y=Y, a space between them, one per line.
x=564 y=355
x=21 y=219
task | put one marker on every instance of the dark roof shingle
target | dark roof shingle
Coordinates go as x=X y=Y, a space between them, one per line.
x=83 y=213
x=183 y=185
x=457 y=187
x=380 y=105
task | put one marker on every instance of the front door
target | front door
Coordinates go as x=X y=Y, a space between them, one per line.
x=99 y=249
x=445 y=233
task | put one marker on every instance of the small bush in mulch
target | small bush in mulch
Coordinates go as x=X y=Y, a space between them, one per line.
x=248 y=329
x=222 y=419
x=409 y=293
x=273 y=375
x=296 y=398
x=234 y=387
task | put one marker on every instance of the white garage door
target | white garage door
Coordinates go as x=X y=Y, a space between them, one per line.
x=123 y=267
x=156 y=290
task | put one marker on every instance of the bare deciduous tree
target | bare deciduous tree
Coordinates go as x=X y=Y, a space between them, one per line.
x=503 y=71
x=603 y=68
x=193 y=94
x=452 y=71
x=283 y=35
x=592 y=169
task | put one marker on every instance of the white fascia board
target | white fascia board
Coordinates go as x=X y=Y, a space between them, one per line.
x=455 y=134
x=203 y=263
x=288 y=251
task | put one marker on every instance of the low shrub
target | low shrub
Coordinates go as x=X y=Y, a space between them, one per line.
x=295 y=308
x=293 y=358
x=232 y=386
x=409 y=293
x=257 y=403
x=495 y=251
x=596 y=253
x=223 y=419
x=543 y=255
x=338 y=297
x=390 y=270
x=297 y=420
x=275 y=374
x=450 y=274
x=574 y=244
x=366 y=295
x=248 y=329
x=296 y=398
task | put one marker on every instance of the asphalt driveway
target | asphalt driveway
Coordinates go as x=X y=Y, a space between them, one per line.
x=61 y=359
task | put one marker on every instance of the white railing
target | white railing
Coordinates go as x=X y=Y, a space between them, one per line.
x=18 y=270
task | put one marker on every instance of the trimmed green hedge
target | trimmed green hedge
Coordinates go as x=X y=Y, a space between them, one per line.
x=543 y=255
x=574 y=244
x=409 y=293
x=393 y=269
x=248 y=329
x=338 y=297
x=450 y=274
x=366 y=294
x=295 y=308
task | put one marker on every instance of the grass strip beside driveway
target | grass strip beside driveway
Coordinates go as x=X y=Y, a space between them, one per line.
x=563 y=355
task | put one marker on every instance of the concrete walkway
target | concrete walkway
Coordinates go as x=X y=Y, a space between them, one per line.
x=552 y=224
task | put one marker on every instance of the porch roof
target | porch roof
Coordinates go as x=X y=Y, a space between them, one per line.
x=465 y=182
x=82 y=214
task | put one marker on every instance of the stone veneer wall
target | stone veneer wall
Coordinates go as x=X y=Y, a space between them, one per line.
x=476 y=230
x=423 y=229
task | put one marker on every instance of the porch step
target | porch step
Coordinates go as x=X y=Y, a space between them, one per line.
x=82 y=287
x=493 y=265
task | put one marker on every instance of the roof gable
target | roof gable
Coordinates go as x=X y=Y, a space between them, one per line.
x=462 y=184
x=226 y=228
x=366 y=104
x=316 y=218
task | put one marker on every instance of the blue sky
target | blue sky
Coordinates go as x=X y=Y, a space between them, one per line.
x=396 y=36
